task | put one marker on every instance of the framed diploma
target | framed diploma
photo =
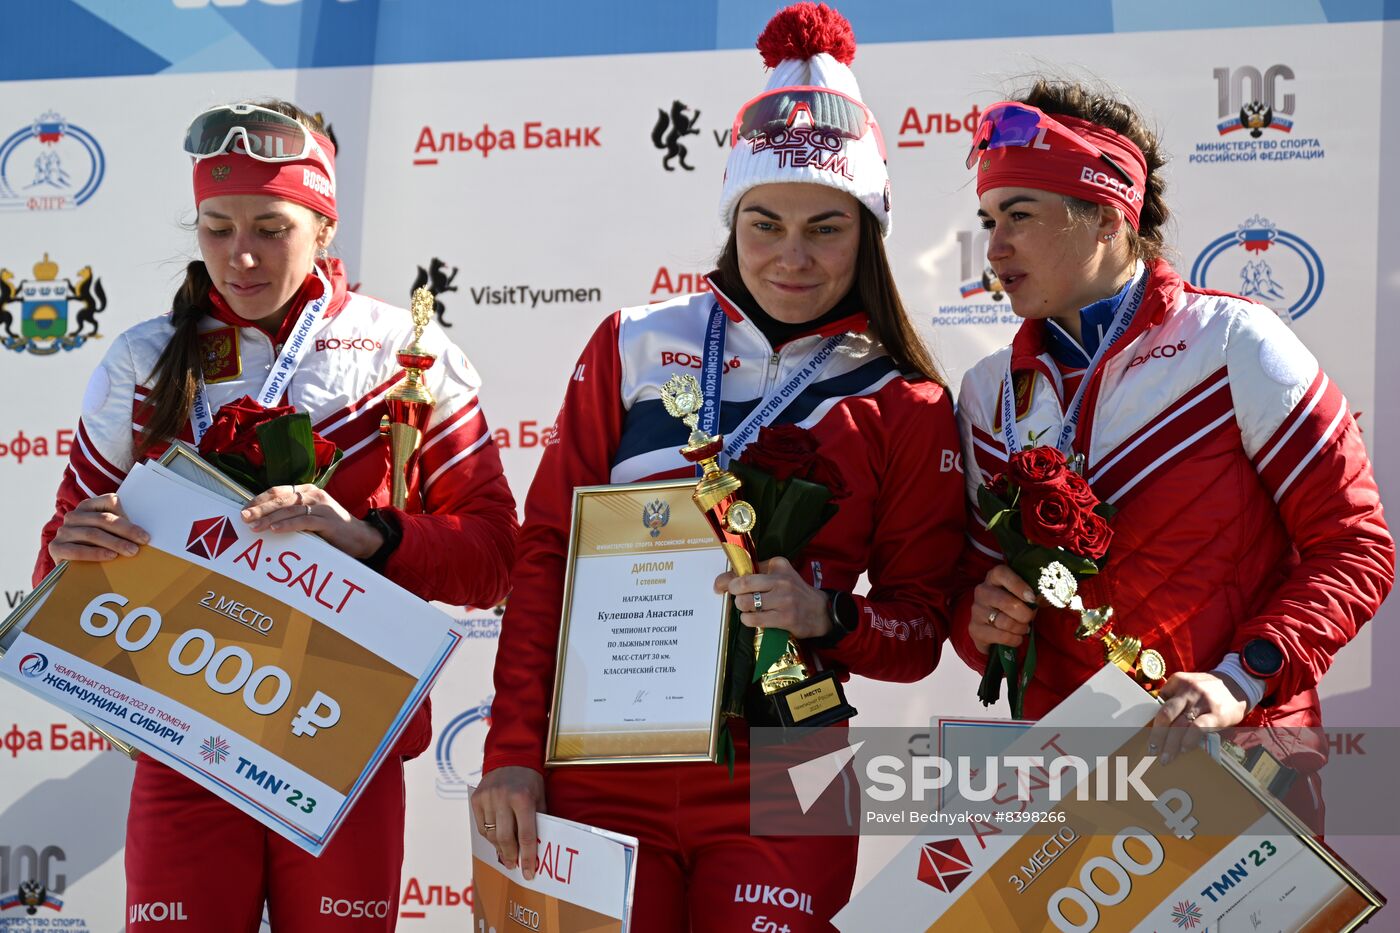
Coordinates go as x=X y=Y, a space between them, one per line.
x=642 y=638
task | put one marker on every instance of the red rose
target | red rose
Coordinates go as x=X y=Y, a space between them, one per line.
x=1037 y=466
x=1077 y=488
x=1000 y=486
x=788 y=451
x=1049 y=518
x=234 y=431
x=325 y=452
x=782 y=452
x=1091 y=536
x=822 y=470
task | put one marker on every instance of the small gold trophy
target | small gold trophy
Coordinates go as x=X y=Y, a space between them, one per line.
x=791 y=696
x=1059 y=587
x=410 y=402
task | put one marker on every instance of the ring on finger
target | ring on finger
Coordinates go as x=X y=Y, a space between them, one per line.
x=488 y=826
x=758 y=602
x=308 y=508
x=298 y=499
x=1190 y=715
x=992 y=616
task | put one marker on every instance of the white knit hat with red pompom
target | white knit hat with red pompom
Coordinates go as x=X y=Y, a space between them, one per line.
x=809 y=45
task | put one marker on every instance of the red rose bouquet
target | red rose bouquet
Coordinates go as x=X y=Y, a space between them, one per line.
x=1042 y=513
x=793 y=490
x=259 y=448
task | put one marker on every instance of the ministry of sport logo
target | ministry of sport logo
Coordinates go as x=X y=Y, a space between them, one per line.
x=983 y=298
x=48 y=165
x=1261 y=261
x=1254 y=118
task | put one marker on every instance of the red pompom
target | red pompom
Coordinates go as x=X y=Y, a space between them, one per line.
x=805 y=29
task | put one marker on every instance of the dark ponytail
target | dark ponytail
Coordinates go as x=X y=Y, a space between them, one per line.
x=168 y=406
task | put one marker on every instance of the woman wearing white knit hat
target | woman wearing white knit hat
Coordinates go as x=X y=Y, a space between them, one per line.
x=804 y=332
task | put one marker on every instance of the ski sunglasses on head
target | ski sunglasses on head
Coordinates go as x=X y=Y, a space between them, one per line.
x=1008 y=123
x=819 y=108
x=257 y=132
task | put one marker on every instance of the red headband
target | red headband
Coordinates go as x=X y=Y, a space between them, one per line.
x=1067 y=170
x=304 y=181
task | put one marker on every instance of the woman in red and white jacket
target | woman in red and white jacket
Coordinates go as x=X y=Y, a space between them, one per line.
x=804 y=267
x=1249 y=545
x=260 y=315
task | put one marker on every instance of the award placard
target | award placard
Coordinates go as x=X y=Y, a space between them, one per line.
x=1214 y=851
x=642 y=639
x=584 y=882
x=271 y=668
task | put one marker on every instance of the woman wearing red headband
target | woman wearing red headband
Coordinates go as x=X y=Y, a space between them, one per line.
x=264 y=184
x=1249 y=545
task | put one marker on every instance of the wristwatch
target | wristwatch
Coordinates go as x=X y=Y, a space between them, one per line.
x=387 y=524
x=844 y=615
x=1261 y=658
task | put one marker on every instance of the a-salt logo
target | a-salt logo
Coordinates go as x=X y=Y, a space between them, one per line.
x=211 y=537
x=944 y=864
x=49 y=165
x=1262 y=261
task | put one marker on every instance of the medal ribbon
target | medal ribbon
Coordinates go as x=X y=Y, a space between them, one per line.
x=293 y=352
x=1128 y=306
x=712 y=375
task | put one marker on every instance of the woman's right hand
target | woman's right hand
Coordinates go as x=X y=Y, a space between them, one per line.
x=97 y=529
x=1002 y=609
x=504 y=807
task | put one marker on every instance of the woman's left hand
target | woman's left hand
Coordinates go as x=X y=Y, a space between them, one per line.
x=308 y=508
x=1193 y=705
x=776 y=597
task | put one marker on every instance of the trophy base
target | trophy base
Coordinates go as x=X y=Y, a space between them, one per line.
x=816 y=701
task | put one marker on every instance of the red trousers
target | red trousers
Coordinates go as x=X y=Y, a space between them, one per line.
x=192 y=858
x=699 y=868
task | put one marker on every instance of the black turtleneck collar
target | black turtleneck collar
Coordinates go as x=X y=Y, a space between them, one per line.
x=780 y=332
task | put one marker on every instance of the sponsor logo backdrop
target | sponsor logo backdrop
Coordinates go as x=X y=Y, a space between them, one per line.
x=539 y=195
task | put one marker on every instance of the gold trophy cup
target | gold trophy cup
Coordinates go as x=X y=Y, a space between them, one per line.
x=410 y=402
x=1147 y=666
x=791 y=696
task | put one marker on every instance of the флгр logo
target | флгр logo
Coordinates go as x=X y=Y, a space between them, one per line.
x=459 y=758
x=50 y=164
x=1261 y=261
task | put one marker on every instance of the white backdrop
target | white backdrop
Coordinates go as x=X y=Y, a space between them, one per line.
x=547 y=241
